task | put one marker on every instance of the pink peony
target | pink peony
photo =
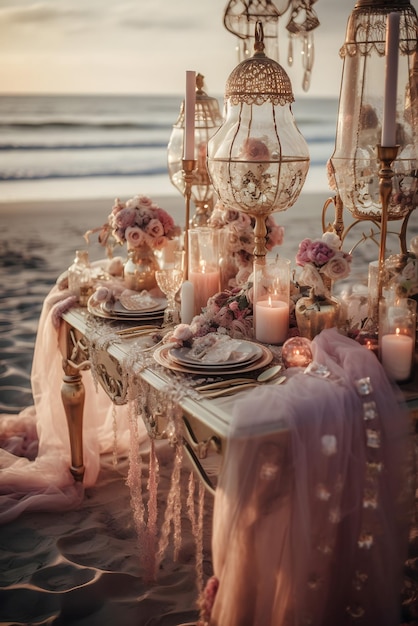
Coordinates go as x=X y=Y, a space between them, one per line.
x=303 y=254
x=320 y=253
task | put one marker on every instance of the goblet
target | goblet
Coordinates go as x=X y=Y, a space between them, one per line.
x=169 y=281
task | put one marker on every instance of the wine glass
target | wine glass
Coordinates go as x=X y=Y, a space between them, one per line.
x=169 y=281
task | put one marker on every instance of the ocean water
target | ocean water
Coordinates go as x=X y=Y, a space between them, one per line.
x=74 y=147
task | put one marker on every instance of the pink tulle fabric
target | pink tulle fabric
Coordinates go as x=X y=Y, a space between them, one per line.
x=42 y=481
x=312 y=506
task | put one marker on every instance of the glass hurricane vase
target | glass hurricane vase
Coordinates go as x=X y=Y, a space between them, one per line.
x=139 y=269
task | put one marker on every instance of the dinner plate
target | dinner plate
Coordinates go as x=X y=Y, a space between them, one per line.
x=247 y=352
x=117 y=308
x=162 y=357
x=99 y=311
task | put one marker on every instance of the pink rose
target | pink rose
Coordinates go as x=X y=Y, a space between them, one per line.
x=182 y=332
x=124 y=218
x=166 y=220
x=254 y=150
x=134 y=237
x=154 y=228
x=159 y=242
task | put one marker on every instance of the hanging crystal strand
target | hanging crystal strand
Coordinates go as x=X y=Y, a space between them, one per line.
x=290 y=51
x=115 y=436
x=308 y=54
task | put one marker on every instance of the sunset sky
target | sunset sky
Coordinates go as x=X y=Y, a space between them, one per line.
x=143 y=46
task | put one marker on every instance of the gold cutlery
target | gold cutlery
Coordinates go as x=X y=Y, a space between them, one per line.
x=234 y=388
x=264 y=377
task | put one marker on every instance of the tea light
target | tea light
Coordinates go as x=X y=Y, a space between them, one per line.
x=296 y=352
x=396 y=354
x=271 y=321
x=205 y=284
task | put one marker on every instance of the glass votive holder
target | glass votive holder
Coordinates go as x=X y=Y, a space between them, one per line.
x=271 y=297
x=296 y=352
x=203 y=264
x=397 y=331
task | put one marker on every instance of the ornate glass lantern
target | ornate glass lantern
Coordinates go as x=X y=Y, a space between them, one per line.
x=258 y=159
x=207 y=120
x=354 y=165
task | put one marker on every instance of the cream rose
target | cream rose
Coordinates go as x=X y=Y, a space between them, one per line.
x=337 y=268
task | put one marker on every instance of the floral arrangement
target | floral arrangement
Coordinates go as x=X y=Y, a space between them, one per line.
x=238 y=242
x=137 y=222
x=227 y=312
x=321 y=258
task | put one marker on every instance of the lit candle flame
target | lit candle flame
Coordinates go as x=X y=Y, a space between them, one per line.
x=269 y=300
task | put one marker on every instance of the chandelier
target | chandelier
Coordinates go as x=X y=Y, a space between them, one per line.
x=241 y=16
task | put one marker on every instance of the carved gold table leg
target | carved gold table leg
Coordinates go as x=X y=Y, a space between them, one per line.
x=73 y=394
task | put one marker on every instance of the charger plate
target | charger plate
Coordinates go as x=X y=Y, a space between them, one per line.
x=147 y=316
x=117 y=308
x=162 y=357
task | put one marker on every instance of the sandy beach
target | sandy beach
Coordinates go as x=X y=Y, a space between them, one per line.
x=81 y=568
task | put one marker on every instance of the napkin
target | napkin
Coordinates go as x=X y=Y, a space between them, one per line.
x=134 y=301
x=215 y=348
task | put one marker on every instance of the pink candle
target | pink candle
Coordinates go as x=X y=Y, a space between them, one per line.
x=189 y=115
x=391 y=80
x=206 y=284
x=271 y=321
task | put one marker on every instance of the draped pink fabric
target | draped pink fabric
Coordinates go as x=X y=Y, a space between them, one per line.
x=45 y=483
x=312 y=507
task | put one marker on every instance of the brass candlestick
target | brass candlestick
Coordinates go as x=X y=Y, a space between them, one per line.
x=188 y=167
x=386 y=154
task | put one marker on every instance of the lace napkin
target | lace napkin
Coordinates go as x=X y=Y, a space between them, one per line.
x=213 y=348
x=134 y=301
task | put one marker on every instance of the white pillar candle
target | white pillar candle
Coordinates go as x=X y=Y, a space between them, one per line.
x=271 y=321
x=189 y=115
x=391 y=80
x=186 y=302
x=205 y=284
x=396 y=354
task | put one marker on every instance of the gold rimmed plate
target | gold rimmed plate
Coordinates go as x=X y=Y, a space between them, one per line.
x=117 y=308
x=162 y=357
x=99 y=311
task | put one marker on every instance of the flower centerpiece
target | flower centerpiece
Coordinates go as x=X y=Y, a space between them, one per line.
x=137 y=222
x=227 y=312
x=144 y=227
x=238 y=242
x=322 y=262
